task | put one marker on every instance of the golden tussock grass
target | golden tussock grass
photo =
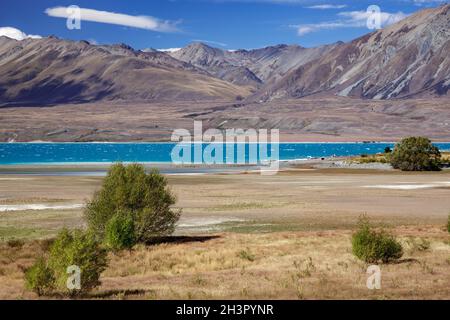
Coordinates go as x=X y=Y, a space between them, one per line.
x=285 y=265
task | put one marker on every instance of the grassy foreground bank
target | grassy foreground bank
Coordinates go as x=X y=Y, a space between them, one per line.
x=290 y=265
x=293 y=243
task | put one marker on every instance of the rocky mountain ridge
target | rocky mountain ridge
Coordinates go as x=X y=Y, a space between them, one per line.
x=405 y=60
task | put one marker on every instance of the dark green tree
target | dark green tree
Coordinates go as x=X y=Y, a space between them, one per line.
x=146 y=198
x=120 y=232
x=415 y=154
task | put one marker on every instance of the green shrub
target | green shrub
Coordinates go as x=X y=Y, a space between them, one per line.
x=415 y=154
x=373 y=246
x=77 y=248
x=40 y=278
x=246 y=255
x=145 y=197
x=387 y=150
x=448 y=223
x=119 y=233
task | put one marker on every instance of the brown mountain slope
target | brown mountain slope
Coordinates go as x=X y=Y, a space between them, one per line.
x=51 y=70
x=271 y=63
x=410 y=58
x=248 y=67
x=218 y=63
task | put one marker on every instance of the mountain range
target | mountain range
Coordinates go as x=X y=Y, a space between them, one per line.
x=405 y=60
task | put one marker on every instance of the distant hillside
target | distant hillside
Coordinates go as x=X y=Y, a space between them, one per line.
x=51 y=70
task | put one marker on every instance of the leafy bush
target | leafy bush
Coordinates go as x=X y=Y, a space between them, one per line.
x=120 y=232
x=40 y=278
x=387 y=150
x=145 y=197
x=448 y=223
x=77 y=248
x=415 y=154
x=372 y=246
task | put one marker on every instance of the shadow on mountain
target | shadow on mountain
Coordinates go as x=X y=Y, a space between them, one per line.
x=50 y=92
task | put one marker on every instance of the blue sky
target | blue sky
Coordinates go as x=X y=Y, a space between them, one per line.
x=230 y=24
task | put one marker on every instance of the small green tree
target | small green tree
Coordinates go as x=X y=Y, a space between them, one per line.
x=145 y=197
x=120 y=233
x=415 y=154
x=77 y=248
x=40 y=278
x=372 y=245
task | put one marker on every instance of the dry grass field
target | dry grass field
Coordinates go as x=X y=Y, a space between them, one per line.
x=250 y=236
x=280 y=265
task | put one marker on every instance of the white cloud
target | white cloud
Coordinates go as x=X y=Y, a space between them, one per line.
x=169 y=50
x=142 y=22
x=360 y=17
x=211 y=42
x=302 y=30
x=328 y=6
x=350 y=19
x=308 y=28
x=16 y=34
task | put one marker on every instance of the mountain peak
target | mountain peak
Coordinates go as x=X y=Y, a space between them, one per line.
x=409 y=58
x=201 y=47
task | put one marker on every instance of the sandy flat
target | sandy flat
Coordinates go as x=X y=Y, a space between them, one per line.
x=39 y=206
x=316 y=199
x=437 y=184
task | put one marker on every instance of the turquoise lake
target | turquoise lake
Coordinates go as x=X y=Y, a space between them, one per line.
x=48 y=153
